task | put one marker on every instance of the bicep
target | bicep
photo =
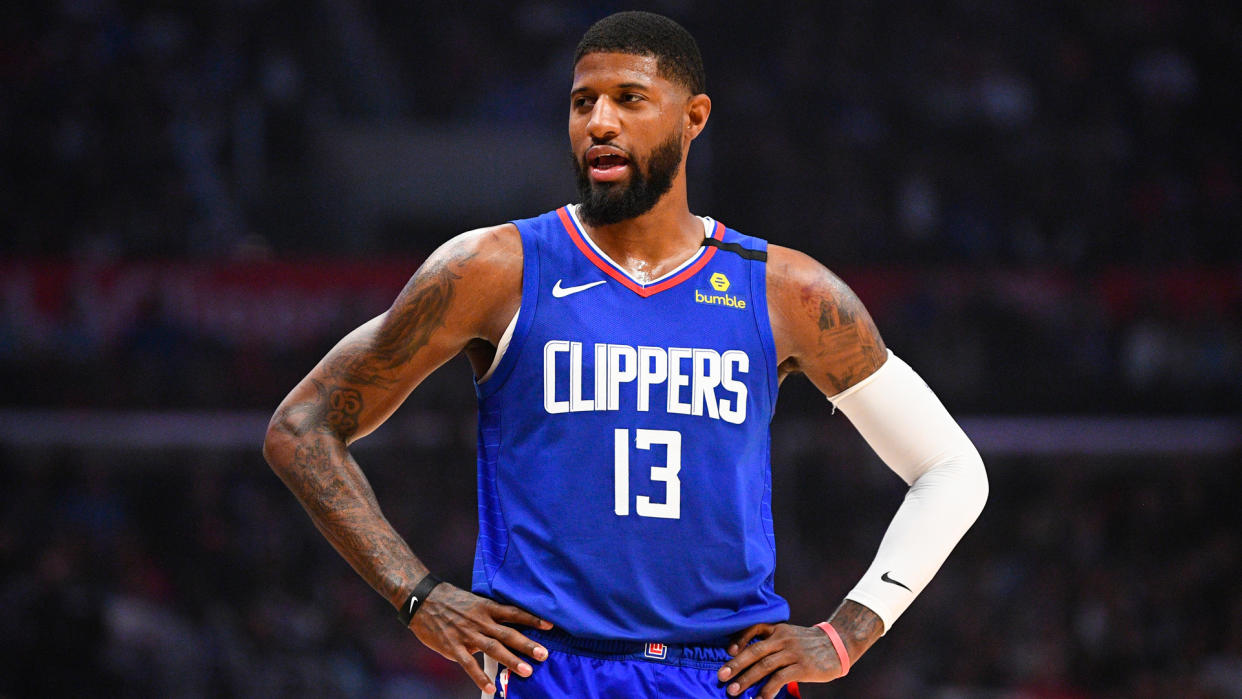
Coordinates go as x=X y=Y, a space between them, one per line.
x=821 y=327
x=371 y=371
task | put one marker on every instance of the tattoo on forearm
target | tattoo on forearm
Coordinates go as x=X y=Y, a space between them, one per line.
x=335 y=493
x=859 y=627
x=341 y=503
x=411 y=322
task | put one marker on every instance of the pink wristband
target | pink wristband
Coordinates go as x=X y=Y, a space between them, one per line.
x=837 y=643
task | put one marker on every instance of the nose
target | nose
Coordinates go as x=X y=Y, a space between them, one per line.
x=604 y=124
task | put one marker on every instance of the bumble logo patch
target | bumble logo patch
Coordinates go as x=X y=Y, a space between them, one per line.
x=721 y=284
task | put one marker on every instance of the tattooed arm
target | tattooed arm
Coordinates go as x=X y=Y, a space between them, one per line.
x=821 y=328
x=461 y=299
x=823 y=331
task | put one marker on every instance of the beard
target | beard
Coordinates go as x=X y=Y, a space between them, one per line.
x=605 y=203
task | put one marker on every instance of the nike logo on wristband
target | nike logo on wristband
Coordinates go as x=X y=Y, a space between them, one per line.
x=890 y=581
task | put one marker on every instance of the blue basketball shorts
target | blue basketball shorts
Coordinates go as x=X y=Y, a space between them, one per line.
x=580 y=668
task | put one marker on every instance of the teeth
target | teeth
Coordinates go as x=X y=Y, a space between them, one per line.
x=607 y=160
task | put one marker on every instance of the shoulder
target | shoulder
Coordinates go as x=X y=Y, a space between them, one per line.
x=797 y=283
x=491 y=255
x=820 y=326
x=476 y=275
x=493 y=248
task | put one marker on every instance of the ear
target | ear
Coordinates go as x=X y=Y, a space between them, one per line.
x=698 y=108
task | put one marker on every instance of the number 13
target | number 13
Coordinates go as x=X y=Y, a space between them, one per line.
x=667 y=474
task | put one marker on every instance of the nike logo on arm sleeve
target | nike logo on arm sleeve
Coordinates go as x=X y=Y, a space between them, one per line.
x=888 y=579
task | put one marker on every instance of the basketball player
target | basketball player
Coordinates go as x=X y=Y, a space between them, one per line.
x=627 y=356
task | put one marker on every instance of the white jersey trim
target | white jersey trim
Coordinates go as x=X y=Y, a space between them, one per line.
x=709 y=227
x=505 y=339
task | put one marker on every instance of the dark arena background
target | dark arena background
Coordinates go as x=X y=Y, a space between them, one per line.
x=1041 y=204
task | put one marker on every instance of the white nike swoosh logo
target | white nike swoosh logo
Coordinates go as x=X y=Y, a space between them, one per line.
x=559 y=292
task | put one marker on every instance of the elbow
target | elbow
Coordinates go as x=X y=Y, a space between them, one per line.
x=961 y=479
x=270 y=447
x=979 y=486
x=279 y=442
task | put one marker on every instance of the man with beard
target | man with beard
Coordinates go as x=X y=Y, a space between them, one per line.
x=627 y=355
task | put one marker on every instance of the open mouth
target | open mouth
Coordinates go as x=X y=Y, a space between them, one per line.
x=606 y=164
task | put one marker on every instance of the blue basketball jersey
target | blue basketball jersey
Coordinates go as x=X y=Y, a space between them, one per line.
x=624 y=479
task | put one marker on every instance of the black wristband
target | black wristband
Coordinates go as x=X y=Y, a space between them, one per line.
x=417 y=597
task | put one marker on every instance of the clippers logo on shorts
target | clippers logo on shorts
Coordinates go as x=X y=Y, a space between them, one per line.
x=658 y=651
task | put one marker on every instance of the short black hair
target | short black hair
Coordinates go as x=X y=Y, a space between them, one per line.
x=648 y=34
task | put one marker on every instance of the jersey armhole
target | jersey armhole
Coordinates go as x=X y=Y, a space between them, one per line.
x=505 y=339
x=763 y=320
x=514 y=337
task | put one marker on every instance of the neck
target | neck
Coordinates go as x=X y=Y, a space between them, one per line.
x=650 y=245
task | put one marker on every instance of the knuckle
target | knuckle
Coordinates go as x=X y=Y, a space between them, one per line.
x=774 y=685
x=749 y=677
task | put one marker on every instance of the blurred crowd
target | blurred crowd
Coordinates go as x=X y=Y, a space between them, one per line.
x=124 y=577
x=992 y=133
x=238 y=335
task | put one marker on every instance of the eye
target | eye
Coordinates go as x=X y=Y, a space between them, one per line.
x=632 y=97
x=581 y=102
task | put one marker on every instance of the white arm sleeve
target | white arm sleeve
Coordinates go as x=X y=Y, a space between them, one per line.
x=910 y=430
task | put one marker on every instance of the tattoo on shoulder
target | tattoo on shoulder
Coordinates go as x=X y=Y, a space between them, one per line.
x=411 y=322
x=849 y=344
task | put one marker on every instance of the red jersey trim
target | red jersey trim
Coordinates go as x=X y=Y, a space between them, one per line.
x=640 y=289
